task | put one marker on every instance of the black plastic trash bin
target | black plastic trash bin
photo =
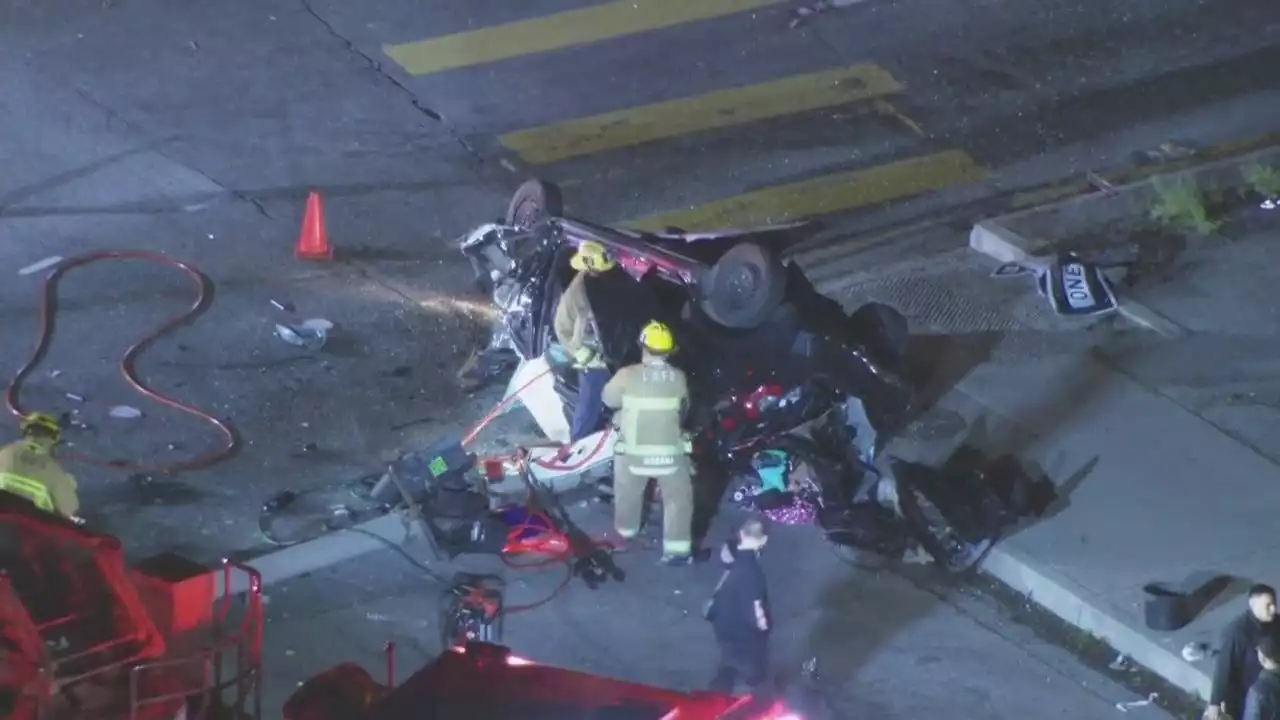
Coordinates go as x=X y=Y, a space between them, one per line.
x=1166 y=610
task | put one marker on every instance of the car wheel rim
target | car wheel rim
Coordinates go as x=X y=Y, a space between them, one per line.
x=527 y=213
x=742 y=285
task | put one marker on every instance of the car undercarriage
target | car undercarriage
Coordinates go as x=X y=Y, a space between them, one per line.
x=778 y=373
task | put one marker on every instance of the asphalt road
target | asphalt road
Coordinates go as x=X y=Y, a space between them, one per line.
x=887 y=645
x=197 y=130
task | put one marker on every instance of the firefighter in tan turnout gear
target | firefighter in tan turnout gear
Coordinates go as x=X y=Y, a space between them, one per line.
x=29 y=470
x=649 y=400
x=575 y=331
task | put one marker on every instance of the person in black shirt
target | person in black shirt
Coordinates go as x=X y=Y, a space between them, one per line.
x=1238 y=664
x=739 y=613
x=1263 y=700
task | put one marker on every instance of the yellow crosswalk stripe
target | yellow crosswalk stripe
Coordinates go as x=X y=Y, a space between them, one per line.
x=825 y=195
x=558 y=31
x=719 y=109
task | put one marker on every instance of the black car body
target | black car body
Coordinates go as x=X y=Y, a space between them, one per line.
x=766 y=354
x=792 y=357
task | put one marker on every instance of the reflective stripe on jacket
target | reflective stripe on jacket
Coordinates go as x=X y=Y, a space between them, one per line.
x=649 y=399
x=28 y=489
x=28 y=470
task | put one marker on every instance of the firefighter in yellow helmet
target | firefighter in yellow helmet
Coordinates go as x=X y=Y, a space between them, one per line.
x=650 y=399
x=576 y=331
x=29 y=470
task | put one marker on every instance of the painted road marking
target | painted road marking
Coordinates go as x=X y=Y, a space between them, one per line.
x=710 y=111
x=558 y=31
x=825 y=195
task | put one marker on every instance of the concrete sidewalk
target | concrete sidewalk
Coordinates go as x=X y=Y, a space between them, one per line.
x=1160 y=496
x=1137 y=473
x=1165 y=477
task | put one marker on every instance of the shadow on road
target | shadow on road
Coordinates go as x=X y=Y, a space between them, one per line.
x=855 y=617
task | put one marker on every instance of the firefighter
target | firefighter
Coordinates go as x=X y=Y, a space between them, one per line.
x=28 y=469
x=649 y=399
x=576 y=332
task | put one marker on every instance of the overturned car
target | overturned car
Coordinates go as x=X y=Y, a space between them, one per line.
x=787 y=389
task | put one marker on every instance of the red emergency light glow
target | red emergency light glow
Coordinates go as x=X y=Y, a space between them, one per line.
x=777 y=711
x=511 y=660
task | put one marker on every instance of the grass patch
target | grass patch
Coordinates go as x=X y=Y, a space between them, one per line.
x=1180 y=204
x=1263 y=179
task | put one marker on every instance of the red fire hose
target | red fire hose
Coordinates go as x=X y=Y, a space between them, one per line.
x=48 y=323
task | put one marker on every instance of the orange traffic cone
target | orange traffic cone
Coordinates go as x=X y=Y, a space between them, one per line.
x=313 y=242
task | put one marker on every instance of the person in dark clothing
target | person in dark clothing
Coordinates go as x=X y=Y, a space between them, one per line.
x=1238 y=664
x=739 y=613
x=1263 y=700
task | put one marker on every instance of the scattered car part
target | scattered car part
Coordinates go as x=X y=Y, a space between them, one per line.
x=310 y=335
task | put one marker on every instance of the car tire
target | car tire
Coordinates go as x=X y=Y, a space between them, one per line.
x=744 y=287
x=534 y=201
x=888 y=330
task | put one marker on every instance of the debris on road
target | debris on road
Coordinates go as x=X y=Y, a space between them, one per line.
x=44 y=264
x=1100 y=183
x=1194 y=651
x=125 y=412
x=1120 y=663
x=283 y=306
x=1127 y=706
x=423 y=420
x=310 y=335
x=74 y=397
x=821 y=6
x=1166 y=152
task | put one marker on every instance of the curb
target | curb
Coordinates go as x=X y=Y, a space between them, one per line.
x=996 y=238
x=1056 y=192
x=1055 y=593
x=1067 y=600
x=322 y=552
x=996 y=241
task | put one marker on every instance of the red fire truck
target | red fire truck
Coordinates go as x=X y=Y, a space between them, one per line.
x=483 y=680
x=83 y=636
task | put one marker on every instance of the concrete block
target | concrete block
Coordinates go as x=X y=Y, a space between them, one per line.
x=991 y=238
x=324 y=551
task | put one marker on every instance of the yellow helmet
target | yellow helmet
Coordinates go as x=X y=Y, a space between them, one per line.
x=657 y=338
x=591 y=256
x=40 y=423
